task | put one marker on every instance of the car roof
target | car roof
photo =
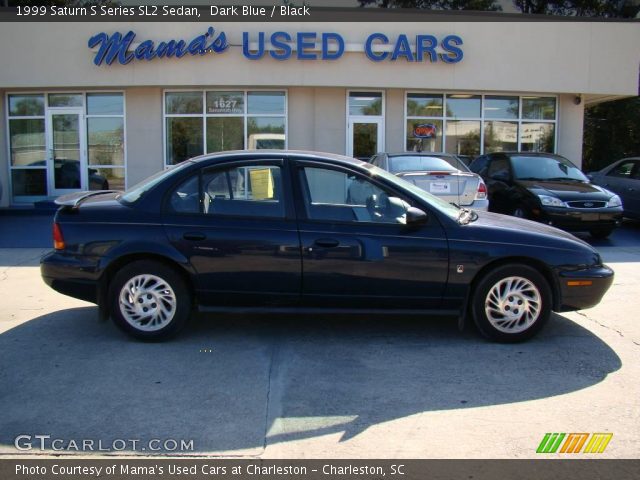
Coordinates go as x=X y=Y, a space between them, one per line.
x=418 y=154
x=274 y=153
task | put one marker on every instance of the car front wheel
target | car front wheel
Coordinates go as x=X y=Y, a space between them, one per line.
x=149 y=300
x=511 y=303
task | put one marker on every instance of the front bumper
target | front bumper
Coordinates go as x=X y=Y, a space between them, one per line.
x=583 y=288
x=71 y=275
x=579 y=219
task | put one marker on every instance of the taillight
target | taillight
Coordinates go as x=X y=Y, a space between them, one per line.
x=482 y=191
x=58 y=239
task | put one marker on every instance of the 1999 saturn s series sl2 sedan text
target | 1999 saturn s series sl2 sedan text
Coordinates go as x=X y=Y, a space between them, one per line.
x=270 y=230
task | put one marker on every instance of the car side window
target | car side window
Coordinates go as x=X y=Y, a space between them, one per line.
x=335 y=195
x=186 y=197
x=479 y=164
x=622 y=170
x=248 y=190
x=498 y=167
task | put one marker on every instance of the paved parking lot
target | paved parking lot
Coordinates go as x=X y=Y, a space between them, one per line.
x=316 y=386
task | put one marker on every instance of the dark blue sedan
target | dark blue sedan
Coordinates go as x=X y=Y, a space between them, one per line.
x=303 y=231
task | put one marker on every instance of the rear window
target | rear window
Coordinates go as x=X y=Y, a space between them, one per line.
x=419 y=163
x=134 y=193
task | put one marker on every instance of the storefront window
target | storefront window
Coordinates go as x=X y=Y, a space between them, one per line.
x=105 y=104
x=463 y=137
x=184 y=138
x=26 y=137
x=184 y=102
x=539 y=108
x=424 y=135
x=231 y=120
x=500 y=136
x=475 y=124
x=424 y=105
x=365 y=103
x=65 y=100
x=26 y=105
x=537 y=137
x=225 y=133
x=500 y=107
x=105 y=141
x=463 y=106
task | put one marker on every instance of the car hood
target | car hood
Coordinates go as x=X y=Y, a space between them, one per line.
x=524 y=231
x=566 y=190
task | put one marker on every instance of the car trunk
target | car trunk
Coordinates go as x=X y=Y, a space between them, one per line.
x=454 y=187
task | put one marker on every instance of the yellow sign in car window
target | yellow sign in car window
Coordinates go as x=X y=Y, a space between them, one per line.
x=261 y=183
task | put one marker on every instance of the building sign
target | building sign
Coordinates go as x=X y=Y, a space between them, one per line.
x=425 y=130
x=378 y=47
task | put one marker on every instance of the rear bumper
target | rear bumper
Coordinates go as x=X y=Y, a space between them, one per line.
x=583 y=288
x=580 y=220
x=71 y=275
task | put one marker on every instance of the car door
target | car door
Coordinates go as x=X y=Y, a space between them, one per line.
x=235 y=224
x=498 y=178
x=624 y=179
x=356 y=250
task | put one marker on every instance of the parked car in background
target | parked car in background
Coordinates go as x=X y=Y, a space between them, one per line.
x=440 y=174
x=550 y=189
x=466 y=159
x=622 y=178
x=284 y=229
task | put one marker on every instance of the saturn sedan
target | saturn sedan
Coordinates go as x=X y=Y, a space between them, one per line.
x=309 y=232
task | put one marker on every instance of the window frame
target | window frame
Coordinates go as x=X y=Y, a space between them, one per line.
x=286 y=200
x=204 y=115
x=47 y=108
x=302 y=192
x=444 y=118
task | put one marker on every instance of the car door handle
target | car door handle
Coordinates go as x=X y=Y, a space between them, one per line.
x=326 y=242
x=194 y=236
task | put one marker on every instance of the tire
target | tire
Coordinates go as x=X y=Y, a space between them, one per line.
x=168 y=300
x=520 y=212
x=507 y=322
x=601 y=233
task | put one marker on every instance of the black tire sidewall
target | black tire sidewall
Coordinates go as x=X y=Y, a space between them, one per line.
x=169 y=275
x=489 y=280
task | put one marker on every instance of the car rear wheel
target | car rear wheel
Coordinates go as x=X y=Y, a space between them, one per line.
x=149 y=300
x=511 y=303
x=601 y=233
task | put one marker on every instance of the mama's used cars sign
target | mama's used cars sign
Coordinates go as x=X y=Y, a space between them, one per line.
x=122 y=48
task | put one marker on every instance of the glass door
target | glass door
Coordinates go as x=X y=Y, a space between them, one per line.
x=364 y=137
x=66 y=151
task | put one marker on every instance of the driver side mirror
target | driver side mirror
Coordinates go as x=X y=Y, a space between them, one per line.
x=416 y=217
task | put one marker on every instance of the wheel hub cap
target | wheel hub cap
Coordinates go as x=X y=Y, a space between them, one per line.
x=513 y=304
x=147 y=302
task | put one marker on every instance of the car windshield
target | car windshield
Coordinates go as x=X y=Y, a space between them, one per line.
x=545 y=168
x=134 y=193
x=439 y=204
x=421 y=163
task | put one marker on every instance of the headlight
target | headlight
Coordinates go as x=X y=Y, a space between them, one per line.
x=551 y=201
x=614 y=201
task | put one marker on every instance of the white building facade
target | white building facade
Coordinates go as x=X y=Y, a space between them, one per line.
x=104 y=105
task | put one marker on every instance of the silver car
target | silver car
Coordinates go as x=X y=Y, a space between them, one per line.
x=623 y=178
x=441 y=174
